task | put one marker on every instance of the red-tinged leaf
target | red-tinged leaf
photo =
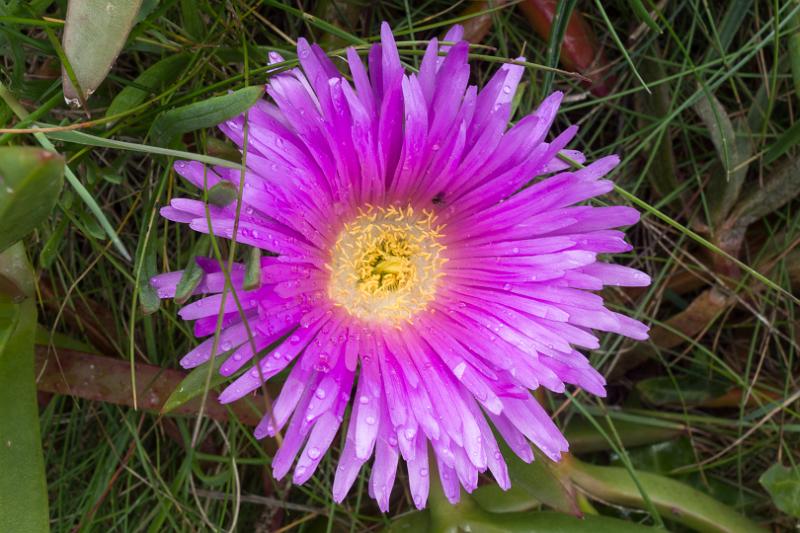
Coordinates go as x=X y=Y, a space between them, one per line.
x=579 y=49
x=479 y=23
x=107 y=379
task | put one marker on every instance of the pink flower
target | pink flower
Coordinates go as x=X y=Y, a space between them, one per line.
x=432 y=267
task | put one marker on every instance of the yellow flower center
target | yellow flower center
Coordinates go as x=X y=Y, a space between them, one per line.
x=386 y=263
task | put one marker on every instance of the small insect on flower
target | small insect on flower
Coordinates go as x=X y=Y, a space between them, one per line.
x=430 y=267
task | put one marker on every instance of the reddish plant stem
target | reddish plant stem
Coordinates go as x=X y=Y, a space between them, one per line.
x=107 y=379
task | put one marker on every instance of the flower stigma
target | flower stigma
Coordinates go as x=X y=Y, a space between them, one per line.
x=386 y=263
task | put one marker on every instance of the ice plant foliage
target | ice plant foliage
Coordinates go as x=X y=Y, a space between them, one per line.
x=432 y=267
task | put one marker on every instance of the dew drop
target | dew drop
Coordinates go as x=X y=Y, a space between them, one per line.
x=314 y=452
x=370 y=420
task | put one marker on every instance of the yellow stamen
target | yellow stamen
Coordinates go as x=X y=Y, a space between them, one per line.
x=386 y=263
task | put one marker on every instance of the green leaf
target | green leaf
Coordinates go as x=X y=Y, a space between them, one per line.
x=642 y=14
x=732 y=149
x=23 y=488
x=192 y=20
x=549 y=522
x=203 y=114
x=73 y=180
x=53 y=244
x=94 y=33
x=468 y=515
x=252 y=274
x=686 y=391
x=192 y=274
x=416 y=522
x=783 y=485
x=223 y=150
x=794 y=56
x=148 y=297
x=662 y=170
x=661 y=458
x=782 y=187
x=148 y=82
x=729 y=26
x=222 y=194
x=47 y=337
x=496 y=500
x=673 y=499
x=782 y=144
x=30 y=182
x=541 y=480
x=194 y=384
x=583 y=437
